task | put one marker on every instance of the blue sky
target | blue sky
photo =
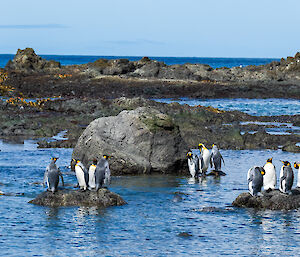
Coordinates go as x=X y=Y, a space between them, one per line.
x=211 y=28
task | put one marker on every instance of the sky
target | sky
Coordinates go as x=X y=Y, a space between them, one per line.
x=186 y=28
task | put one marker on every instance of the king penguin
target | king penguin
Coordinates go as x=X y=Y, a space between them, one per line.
x=255 y=179
x=81 y=174
x=193 y=164
x=92 y=169
x=51 y=176
x=204 y=158
x=286 y=178
x=102 y=173
x=270 y=176
x=216 y=158
x=297 y=167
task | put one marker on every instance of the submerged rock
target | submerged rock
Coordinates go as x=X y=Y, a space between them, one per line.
x=275 y=200
x=102 y=198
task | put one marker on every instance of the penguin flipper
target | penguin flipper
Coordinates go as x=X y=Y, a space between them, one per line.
x=62 y=178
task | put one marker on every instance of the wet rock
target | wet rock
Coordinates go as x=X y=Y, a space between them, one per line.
x=291 y=148
x=141 y=141
x=27 y=60
x=275 y=200
x=102 y=198
x=185 y=234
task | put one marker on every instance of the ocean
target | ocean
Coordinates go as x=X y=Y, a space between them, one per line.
x=213 y=62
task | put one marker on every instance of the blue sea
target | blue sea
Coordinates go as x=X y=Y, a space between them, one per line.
x=213 y=62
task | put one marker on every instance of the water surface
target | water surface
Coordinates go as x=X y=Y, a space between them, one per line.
x=256 y=107
x=153 y=220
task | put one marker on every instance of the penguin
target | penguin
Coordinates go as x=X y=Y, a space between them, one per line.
x=81 y=174
x=270 y=176
x=255 y=179
x=92 y=169
x=216 y=158
x=286 y=178
x=204 y=163
x=193 y=164
x=102 y=173
x=297 y=167
x=51 y=176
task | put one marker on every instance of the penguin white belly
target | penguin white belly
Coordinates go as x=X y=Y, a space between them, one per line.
x=192 y=169
x=206 y=157
x=250 y=188
x=269 y=178
x=80 y=177
x=281 y=184
x=92 y=183
x=298 y=178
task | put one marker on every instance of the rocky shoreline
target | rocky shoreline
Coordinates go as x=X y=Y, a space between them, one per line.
x=73 y=96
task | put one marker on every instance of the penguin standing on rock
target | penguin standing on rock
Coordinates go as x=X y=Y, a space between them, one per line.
x=297 y=167
x=216 y=158
x=102 y=173
x=270 y=176
x=92 y=169
x=81 y=174
x=193 y=164
x=255 y=179
x=204 y=158
x=286 y=178
x=51 y=176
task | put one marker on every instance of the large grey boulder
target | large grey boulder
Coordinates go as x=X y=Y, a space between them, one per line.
x=102 y=198
x=275 y=200
x=141 y=141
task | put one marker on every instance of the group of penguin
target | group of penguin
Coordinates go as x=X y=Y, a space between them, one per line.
x=257 y=177
x=94 y=178
x=198 y=166
x=265 y=177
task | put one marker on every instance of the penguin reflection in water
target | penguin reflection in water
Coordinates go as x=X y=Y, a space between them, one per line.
x=51 y=176
x=255 y=179
x=82 y=175
x=102 y=173
x=193 y=164
x=286 y=178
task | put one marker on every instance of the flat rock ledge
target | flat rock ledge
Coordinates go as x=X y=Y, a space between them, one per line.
x=274 y=200
x=102 y=198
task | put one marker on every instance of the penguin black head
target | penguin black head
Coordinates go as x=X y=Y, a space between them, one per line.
x=189 y=155
x=200 y=146
x=286 y=163
x=270 y=160
x=54 y=159
x=95 y=161
x=262 y=171
x=106 y=156
x=296 y=165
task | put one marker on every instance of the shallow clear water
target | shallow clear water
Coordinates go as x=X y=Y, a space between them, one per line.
x=256 y=107
x=213 y=62
x=150 y=224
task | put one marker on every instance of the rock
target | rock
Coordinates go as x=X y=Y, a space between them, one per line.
x=27 y=60
x=291 y=148
x=275 y=200
x=102 y=198
x=141 y=141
